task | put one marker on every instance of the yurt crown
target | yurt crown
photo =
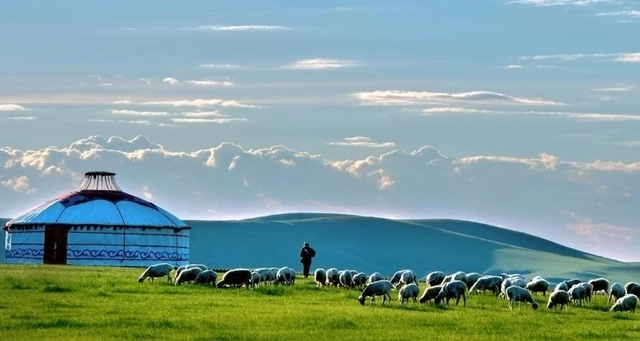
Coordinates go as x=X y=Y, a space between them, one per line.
x=99 y=181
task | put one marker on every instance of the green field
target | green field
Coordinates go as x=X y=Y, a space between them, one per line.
x=94 y=303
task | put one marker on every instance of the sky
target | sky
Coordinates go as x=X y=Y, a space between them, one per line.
x=522 y=114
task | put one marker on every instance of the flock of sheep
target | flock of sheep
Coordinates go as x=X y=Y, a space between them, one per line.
x=511 y=287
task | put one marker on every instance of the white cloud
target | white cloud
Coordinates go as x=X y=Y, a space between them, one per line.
x=513 y=66
x=632 y=143
x=200 y=103
x=241 y=28
x=202 y=114
x=19 y=184
x=600 y=232
x=455 y=110
x=122 y=102
x=146 y=80
x=171 y=81
x=219 y=66
x=11 y=107
x=362 y=141
x=618 y=57
x=628 y=13
x=106 y=84
x=147 y=193
x=209 y=83
x=548 y=3
x=397 y=97
x=321 y=64
x=17 y=118
x=615 y=89
x=139 y=113
x=207 y=120
x=143 y=122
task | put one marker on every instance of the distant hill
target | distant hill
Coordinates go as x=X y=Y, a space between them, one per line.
x=376 y=244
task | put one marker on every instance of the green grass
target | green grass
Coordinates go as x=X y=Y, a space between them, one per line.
x=93 y=303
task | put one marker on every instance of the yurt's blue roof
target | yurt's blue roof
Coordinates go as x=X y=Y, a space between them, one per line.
x=99 y=203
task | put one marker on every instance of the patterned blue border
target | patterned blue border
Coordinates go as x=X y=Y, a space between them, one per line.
x=102 y=254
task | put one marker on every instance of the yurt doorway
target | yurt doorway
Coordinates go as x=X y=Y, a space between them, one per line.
x=55 y=244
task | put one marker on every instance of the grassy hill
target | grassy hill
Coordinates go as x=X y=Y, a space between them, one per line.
x=375 y=244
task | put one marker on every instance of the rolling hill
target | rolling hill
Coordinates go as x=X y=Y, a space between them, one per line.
x=376 y=244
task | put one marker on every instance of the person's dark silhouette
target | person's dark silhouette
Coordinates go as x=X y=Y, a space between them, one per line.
x=306 y=253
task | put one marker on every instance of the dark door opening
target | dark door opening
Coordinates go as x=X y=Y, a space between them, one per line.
x=55 y=244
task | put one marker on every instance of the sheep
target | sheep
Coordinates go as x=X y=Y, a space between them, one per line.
x=435 y=278
x=376 y=276
x=320 y=277
x=539 y=285
x=430 y=293
x=600 y=284
x=506 y=283
x=559 y=297
x=255 y=279
x=293 y=274
x=454 y=289
x=626 y=303
x=518 y=294
x=572 y=282
x=519 y=282
x=407 y=277
x=377 y=288
x=333 y=277
x=157 y=270
x=283 y=276
x=188 y=266
x=359 y=280
x=472 y=278
x=395 y=279
x=346 y=280
x=188 y=275
x=483 y=283
x=235 y=278
x=206 y=277
x=562 y=286
x=577 y=293
x=408 y=291
x=588 y=289
x=632 y=288
x=616 y=291
x=457 y=276
x=265 y=275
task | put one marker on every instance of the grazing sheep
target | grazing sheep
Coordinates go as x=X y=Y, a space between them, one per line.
x=374 y=277
x=266 y=275
x=573 y=282
x=377 y=288
x=600 y=284
x=577 y=293
x=435 y=278
x=235 y=278
x=484 y=283
x=395 y=279
x=626 y=303
x=408 y=291
x=562 y=286
x=506 y=283
x=430 y=293
x=189 y=266
x=406 y=278
x=206 y=277
x=293 y=274
x=359 y=280
x=559 y=297
x=255 y=279
x=519 y=282
x=454 y=289
x=588 y=289
x=283 y=276
x=519 y=294
x=346 y=280
x=632 y=288
x=188 y=275
x=472 y=278
x=155 y=271
x=616 y=291
x=333 y=277
x=457 y=276
x=540 y=285
x=320 y=277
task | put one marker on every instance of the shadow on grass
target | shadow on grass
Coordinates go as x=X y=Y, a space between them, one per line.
x=270 y=290
x=57 y=323
x=56 y=288
x=20 y=286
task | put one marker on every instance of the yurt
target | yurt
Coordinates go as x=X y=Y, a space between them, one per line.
x=97 y=224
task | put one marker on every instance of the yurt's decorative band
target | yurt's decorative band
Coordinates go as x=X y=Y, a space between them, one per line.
x=25 y=253
x=33 y=253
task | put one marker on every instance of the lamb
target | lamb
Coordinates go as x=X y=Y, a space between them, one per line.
x=457 y=276
x=359 y=280
x=320 y=277
x=616 y=291
x=519 y=294
x=559 y=297
x=376 y=276
x=346 y=280
x=377 y=288
x=540 y=285
x=188 y=266
x=626 y=303
x=472 y=278
x=235 y=278
x=188 y=275
x=484 y=283
x=435 y=278
x=600 y=284
x=430 y=293
x=333 y=277
x=408 y=291
x=155 y=271
x=562 y=286
x=632 y=288
x=577 y=293
x=454 y=289
x=206 y=277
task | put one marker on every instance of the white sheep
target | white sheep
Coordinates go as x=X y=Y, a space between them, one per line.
x=456 y=276
x=293 y=274
x=283 y=276
x=492 y=283
x=407 y=277
x=333 y=277
x=255 y=279
x=235 y=278
x=616 y=291
x=188 y=275
x=577 y=293
x=506 y=283
x=454 y=289
x=320 y=276
x=377 y=288
x=155 y=271
x=572 y=282
x=359 y=280
x=435 y=278
x=408 y=291
x=626 y=303
x=346 y=280
x=588 y=290
x=519 y=294
x=396 y=276
x=206 y=277
x=632 y=288
x=374 y=277
x=430 y=293
x=562 y=286
x=559 y=297
x=600 y=284
x=188 y=266
x=539 y=285
x=266 y=275
x=472 y=278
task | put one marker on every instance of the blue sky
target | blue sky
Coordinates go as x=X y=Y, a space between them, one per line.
x=517 y=113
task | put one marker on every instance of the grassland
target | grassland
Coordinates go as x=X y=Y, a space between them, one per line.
x=95 y=303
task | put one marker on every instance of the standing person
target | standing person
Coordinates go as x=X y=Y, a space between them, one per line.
x=306 y=253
